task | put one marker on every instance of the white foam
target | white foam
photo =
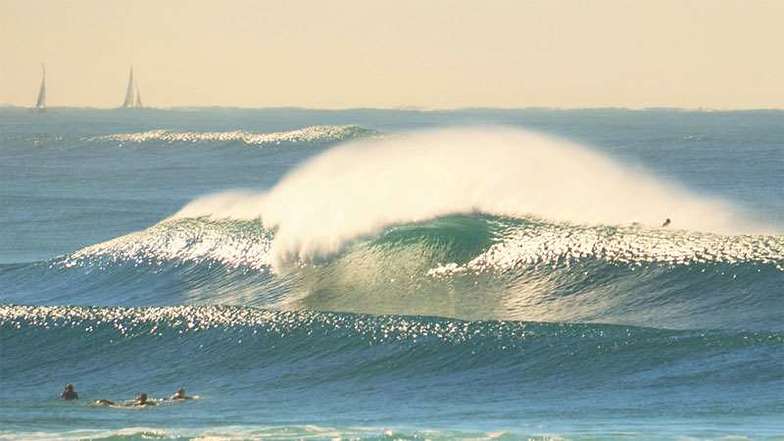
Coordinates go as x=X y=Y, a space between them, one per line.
x=231 y=244
x=307 y=134
x=551 y=244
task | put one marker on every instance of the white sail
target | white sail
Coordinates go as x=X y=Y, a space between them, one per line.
x=138 y=102
x=40 y=103
x=129 y=91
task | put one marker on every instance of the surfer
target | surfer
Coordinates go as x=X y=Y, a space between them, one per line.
x=140 y=400
x=180 y=395
x=69 y=393
x=666 y=222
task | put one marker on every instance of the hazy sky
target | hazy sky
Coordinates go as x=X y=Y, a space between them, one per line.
x=352 y=53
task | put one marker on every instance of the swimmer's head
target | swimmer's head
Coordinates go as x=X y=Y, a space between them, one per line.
x=69 y=386
x=142 y=397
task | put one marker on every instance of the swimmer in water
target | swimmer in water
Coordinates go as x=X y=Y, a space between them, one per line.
x=180 y=395
x=666 y=222
x=69 y=393
x=140 y=400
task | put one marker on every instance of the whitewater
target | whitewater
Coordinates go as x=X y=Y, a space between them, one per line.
x=370 y=274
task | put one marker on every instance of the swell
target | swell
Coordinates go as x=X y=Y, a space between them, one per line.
x=434 y=345
x=469 y=267
x=272 y=367
x=318 y=359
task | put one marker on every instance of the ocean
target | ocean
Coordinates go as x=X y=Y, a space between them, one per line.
x=392 y=274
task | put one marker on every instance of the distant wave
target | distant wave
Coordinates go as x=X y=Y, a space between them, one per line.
x=311 y=134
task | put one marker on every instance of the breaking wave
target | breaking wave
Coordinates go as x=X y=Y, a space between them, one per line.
x=462 y=266
x=360 y=188
x=313 y=134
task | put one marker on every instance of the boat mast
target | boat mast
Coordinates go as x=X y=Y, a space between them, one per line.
x=40 y=103
x=129 y=101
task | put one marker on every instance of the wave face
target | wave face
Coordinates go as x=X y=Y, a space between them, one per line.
x=314 y=134
x=392 y=283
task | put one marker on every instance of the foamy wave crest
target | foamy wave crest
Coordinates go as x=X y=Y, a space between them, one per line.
x=360 y=188
x=233 y=244
x=313 y=134
x=564 y=244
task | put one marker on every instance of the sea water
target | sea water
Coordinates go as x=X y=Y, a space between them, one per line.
x=385 y=274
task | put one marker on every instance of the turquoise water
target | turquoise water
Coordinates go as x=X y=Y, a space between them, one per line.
x=380 y=274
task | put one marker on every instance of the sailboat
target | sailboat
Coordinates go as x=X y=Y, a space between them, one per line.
x=133 y=98
x=40 y=103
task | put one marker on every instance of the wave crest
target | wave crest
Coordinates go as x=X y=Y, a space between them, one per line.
x=232 y=244
x=564 y=244
x=313 y=134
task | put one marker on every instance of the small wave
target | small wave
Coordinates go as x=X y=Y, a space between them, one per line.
x=313 y=134
x=276 y=432
x=177 y=320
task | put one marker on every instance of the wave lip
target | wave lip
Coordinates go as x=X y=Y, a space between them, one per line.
x=312 y=134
